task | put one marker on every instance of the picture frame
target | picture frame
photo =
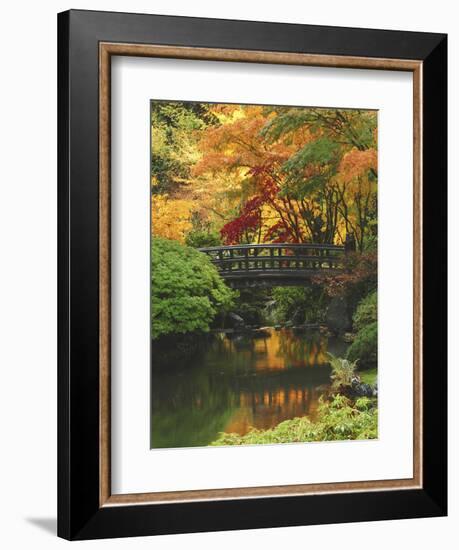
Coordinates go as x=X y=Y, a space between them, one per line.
x=87 y=41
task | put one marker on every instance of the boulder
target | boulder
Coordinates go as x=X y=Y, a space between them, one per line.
x=235 y=321
x=337 y=318
x=361 y=389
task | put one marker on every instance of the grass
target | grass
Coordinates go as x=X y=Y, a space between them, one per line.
x=369 y=376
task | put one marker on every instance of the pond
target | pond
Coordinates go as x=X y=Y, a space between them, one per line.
x=237 y=381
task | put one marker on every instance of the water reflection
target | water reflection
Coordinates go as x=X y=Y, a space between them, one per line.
x=257 y=379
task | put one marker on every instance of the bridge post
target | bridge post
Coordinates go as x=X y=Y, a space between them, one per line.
x=349 y=244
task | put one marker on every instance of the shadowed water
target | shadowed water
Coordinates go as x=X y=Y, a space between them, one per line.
x=240 y=381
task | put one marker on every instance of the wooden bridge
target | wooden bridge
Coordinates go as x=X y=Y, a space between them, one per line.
x=283 y=264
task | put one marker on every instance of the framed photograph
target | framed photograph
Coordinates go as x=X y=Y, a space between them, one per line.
x=252 y=274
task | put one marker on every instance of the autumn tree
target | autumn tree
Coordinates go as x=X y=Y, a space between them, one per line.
x=263 y=174
x=311 y=173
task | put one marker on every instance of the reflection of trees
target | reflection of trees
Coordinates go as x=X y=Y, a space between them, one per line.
x=301 y=352
x=279 y=349
x=238 y=383
x=266 y=408
x=189 y=411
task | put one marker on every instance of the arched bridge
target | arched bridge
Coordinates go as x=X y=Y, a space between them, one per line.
x=275 y=264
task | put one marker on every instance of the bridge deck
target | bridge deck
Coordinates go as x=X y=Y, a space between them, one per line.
x=292 y=263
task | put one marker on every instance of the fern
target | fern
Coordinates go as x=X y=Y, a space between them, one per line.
x=343 y=371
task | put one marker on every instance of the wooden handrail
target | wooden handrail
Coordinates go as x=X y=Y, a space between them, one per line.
x=251 y=258
x=306 y=246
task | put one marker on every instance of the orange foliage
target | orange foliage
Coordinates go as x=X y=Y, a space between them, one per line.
x=357 y=163
x=239 y=186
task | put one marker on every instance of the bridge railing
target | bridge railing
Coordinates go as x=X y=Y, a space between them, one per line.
x=275 y=257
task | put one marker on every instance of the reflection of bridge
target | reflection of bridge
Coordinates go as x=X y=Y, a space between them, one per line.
x=275 y=264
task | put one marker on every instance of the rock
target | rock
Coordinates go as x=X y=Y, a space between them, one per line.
x=361 y=389
x=235 y=320
x=337 y=317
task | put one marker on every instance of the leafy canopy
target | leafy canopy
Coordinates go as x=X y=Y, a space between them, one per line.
x=259 y=174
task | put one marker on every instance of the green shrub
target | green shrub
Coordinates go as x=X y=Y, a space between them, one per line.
x=250 y=304
x=186 y=290
x=298 y=304
x=364 y=348
x=338 y=419
x=366 y=312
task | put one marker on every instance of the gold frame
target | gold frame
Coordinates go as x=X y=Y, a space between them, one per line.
x=106 y=51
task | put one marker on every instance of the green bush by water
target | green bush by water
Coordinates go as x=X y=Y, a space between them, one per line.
x=366 y=312
x=186 y=290
x=298 y=304
x=364 y=348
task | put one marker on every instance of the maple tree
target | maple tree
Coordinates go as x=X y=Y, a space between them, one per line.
x=265 y=174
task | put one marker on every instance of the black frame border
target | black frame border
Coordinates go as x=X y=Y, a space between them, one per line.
x=79 y=514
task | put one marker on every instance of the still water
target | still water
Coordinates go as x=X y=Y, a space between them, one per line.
x=237 y=381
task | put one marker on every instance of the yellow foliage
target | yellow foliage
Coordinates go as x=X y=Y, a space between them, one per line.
x=170 y=217
x=232 y=162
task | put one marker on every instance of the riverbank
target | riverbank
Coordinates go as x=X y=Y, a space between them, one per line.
x=338 y=419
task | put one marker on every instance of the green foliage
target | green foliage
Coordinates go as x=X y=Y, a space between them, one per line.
x=284 y=123
x=298 y=304
x=250 y=304
x=202 y=239
x=174 y=127
x=322 y=151
x=186 y=290
x=353 y=127
x=363 y=403
x=364 y=348
x=366 y=312
x=343 y=371
x=338 y=419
